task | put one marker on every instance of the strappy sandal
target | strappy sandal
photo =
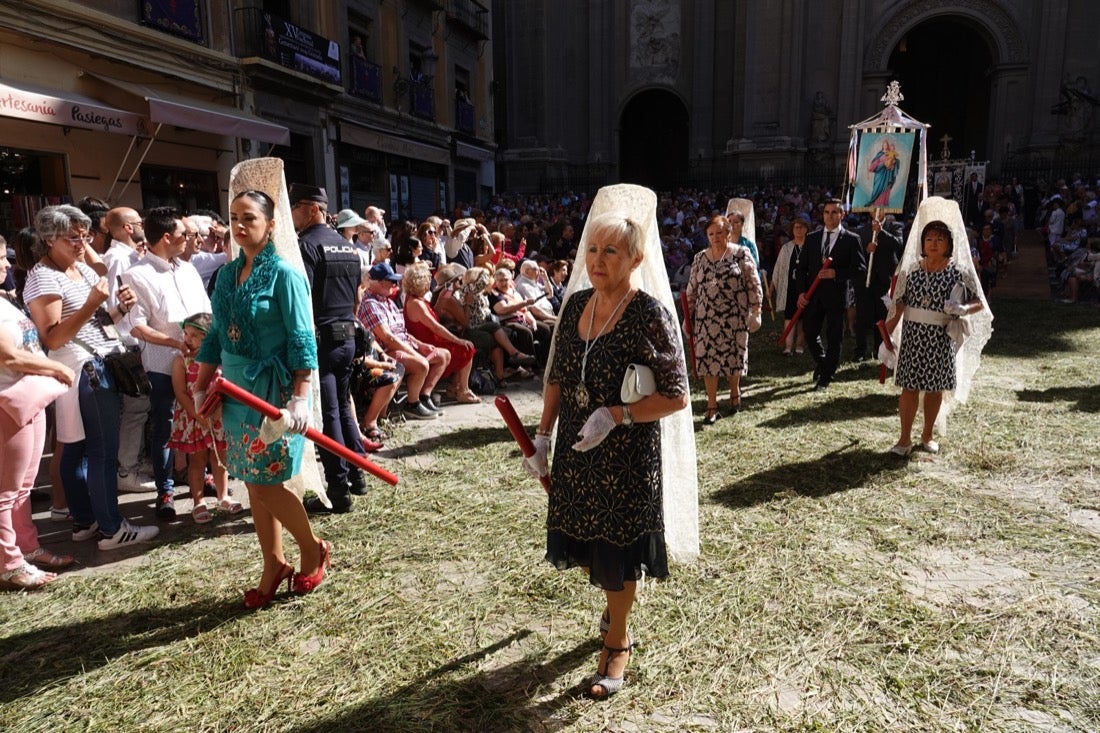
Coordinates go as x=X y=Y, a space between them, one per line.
x=610 y=685
x=43 y=558
x=376 y=435
x=230 y=506
x=605 y=622
x=25 y=577
x=201 y=513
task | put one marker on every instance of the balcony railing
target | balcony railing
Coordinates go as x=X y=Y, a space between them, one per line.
x=366 y=79
x=276 y=39
x=471 y=14
x=422 y=99
x=464 y=116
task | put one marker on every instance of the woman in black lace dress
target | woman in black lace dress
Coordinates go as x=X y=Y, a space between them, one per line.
x=605 y=506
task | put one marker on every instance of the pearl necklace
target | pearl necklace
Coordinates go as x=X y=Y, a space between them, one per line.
x=582 y=390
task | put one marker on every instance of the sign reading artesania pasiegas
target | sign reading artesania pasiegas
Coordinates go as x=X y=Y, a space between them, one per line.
x=61 y=108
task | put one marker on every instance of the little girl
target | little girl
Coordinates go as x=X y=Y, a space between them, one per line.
x=202 y=439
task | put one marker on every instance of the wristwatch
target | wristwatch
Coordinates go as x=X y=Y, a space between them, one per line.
x=628 y=419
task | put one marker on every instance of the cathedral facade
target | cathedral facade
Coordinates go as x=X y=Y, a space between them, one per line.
x=686 y=92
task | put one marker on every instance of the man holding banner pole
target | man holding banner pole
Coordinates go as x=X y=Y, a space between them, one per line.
x=883 y=248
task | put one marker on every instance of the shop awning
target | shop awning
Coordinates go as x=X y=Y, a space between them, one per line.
x=69 y=109
x=367 y=137
x=172 y=109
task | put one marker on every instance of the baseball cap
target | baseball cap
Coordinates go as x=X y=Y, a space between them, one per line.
x=383 y=271
x=304 y=192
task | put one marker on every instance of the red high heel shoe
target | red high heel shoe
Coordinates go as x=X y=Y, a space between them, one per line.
x=306 y=583
x=255 y=598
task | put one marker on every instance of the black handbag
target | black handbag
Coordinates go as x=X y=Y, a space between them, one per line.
x=128 y=372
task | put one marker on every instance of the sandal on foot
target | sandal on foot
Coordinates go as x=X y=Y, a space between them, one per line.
x=201 y=513
x=902 y=450
x=43 y=558
x=609 y=685
x=605 y=622
x=712 y=416
x=468 y=398
x=25 y=577
x=230 y=506
x=376 y=435
x=930 y=446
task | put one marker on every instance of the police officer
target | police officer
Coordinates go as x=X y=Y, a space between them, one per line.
x=334 y=271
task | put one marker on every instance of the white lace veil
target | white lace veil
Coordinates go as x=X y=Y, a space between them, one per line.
x=266 y=174
x=745 y=208
x=968 y=357
x=678 y=464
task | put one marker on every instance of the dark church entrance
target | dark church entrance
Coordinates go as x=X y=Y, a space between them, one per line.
x=944 y=67
x=653 y=140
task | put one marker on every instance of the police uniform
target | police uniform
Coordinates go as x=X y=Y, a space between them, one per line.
x=334 y=270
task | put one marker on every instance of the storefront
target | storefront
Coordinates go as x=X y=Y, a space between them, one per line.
x=406 y=177
x=51 y=142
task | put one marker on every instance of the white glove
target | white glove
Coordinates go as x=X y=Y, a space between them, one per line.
x=199 y=399
x=537 y=464
x=297 y=414
x=887 y=357
x=597 y=427
x=754 y=322
x=887 y=301
x=952 y=308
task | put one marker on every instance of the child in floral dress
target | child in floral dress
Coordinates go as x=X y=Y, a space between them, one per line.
x=202 y=439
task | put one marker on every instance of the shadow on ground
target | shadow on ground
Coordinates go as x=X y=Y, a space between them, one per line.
x=840 y=470
x=49 y=654
x=510 y=697
x=1086 y=398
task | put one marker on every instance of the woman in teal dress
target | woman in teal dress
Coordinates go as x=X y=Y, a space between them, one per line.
x=262 y=337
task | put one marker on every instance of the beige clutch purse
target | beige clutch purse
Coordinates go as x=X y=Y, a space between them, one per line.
x=637 y=383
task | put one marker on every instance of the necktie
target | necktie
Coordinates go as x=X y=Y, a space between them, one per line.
x=827 y=247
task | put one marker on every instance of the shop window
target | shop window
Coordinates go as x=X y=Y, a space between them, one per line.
x=29 y=180
x=183 y=189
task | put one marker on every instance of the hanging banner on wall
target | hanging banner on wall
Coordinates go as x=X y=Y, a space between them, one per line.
x=880 y=157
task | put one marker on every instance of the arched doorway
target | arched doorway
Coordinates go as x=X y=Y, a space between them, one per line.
x=653 y=139
x=944 y=66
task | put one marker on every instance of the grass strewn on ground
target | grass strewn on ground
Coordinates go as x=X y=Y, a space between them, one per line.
x=839 y=588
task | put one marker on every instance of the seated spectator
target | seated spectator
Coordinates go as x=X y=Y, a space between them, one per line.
x=559 y=274
x=407 y=254
x=533 y=283
x=428 y=234
x=1085 y=271
x=422 y=322
x=514 y=314
x=374 y=384
x=424 y=364
x=475 y=321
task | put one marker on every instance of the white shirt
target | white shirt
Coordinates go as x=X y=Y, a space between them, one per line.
x=529 y=288
x=207 y=263
x=118 y=258
x=167 y=292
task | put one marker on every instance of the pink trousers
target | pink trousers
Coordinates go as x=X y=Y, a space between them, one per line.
x=20 y=452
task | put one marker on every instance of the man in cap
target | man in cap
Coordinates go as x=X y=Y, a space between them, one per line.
x=424 y=364
x=333 y=269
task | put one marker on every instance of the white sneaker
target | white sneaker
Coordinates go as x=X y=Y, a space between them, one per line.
x=129 y=534
x=85 y=533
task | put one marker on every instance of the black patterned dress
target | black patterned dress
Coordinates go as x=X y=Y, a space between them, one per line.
x=926 y=359
x=723 y=292
x=605 y=505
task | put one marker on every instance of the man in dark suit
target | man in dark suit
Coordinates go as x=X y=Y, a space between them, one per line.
x=887 y=248
x=972 y=197
x=827 y=307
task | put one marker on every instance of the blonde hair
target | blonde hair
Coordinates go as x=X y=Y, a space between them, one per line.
x=618 y=228
x=417 y=279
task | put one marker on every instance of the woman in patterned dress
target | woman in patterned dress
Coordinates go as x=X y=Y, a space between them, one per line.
x=262 y=336
x=935 y=293
x=724 y=298
x=605 y=505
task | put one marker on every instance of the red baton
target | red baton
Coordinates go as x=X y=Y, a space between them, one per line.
x=809 y=294
x=519 y=433
x=221 y=385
